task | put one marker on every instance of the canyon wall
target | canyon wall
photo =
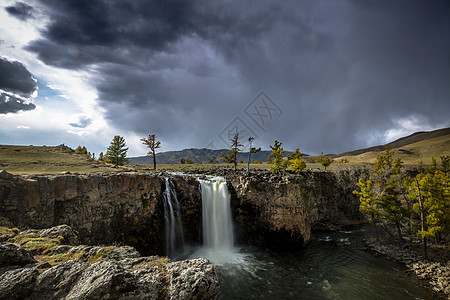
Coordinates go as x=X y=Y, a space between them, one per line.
x=282 y=210
x=128 y=208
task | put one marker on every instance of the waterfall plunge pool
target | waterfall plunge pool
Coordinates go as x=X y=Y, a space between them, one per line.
x=330 y=267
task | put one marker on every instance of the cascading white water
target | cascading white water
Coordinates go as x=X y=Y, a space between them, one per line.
x=217 y=220
x=172 y=221
x=218 y=235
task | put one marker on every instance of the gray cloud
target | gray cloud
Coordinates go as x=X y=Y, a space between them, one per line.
x=83 y=122
x=12 y=104
x=20 y=10
x=15 y=78
x=342 y=71
x=16 y=87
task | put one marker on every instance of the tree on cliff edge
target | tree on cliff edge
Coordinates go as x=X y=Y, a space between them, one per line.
x=276 y=158
x=153 y=144
x=231 y=157
x=117 y=153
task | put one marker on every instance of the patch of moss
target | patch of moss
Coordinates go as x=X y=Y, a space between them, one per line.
x=102 y=254
x=60 y=258
x=159 y=262
x=37 y=244
x=8 y=231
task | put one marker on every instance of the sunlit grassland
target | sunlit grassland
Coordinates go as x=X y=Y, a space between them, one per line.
x=47 y=160
x=410 y=154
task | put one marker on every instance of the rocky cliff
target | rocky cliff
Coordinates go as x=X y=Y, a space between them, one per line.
x=128 y=208
x=282 y=210
x=103 y=208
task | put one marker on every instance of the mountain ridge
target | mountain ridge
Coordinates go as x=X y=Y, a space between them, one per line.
x=412 y=145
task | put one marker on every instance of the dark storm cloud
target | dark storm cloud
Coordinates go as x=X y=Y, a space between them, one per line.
x=100 y=31
x=12 y=104
x=15 y=78
x=20 y=10
x=83 y=122
x=342 y=71
x=16 y=87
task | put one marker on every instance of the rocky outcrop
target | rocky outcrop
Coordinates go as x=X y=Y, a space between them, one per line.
x=282 y=210
x=437 y=274
x=12 y=255
x=103 y=208
x=93 y=272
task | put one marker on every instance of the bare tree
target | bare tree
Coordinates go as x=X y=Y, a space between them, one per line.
x=153 y=144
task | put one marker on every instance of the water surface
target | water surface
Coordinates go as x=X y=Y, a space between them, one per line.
x=331 y=267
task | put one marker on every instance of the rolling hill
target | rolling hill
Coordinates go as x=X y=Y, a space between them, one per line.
x=48 y=160
x=411 y=149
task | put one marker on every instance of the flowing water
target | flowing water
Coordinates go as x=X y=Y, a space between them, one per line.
x=330 y=267
x=217 y=224
x=172 y=221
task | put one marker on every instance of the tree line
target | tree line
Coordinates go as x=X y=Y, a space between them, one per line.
x=116 y=154
x=394 y=200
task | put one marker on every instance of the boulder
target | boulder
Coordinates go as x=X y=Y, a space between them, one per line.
x=56 y=282
x=17 y=283
x=106 y=279
x=70 y=236
x=12 y=255
x=192 y=279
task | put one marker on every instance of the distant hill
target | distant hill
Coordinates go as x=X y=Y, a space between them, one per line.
x=411 y=149
x=197 y=155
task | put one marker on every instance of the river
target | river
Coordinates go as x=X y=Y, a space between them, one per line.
x=330 y=267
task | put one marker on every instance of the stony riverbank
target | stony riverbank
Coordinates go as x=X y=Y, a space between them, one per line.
x=39 y=264
x=434 y=272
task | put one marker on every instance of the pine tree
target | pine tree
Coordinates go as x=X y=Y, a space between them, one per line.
x=276 y=158
x=381 y=195
x=430 y=192
x=324 y=160
x=152 y=144
x=231 y=157
x=81 y=150
x=117 y=153
x=296 y=162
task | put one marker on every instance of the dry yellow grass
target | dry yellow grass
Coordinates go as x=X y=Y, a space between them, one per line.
x=47 y=160
x=410 y=154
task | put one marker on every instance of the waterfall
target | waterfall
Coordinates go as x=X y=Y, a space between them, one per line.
x=172 y=221
x=218 y=235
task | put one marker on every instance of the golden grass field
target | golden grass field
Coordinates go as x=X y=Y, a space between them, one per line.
x=47 y=160
x=55 y=160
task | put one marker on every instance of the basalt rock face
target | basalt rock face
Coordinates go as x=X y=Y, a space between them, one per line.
x=282 y=210
x=190 y=200
x=103 y=208
x=128 y=208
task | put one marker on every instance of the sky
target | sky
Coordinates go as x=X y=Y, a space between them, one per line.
x=320 y=75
